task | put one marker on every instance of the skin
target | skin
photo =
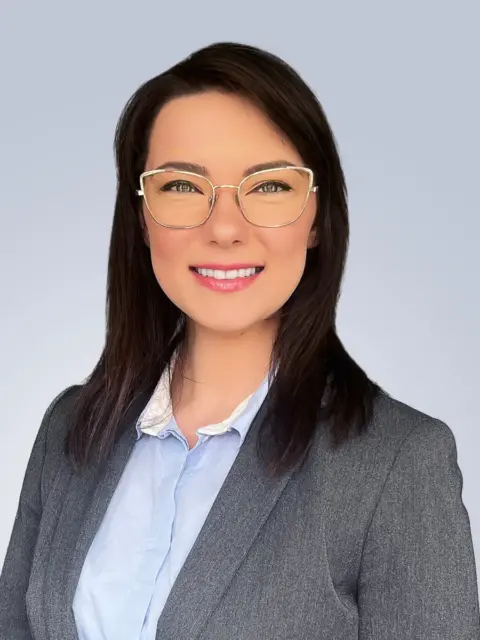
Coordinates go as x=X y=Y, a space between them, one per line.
x=226 y=134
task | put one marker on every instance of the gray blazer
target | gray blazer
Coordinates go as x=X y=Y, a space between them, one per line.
x=371 y=542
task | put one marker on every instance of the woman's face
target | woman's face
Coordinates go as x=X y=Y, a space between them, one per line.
x=225 y=134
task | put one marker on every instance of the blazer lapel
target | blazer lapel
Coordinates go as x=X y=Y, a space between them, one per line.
x=84 y=505
x=242 y=505
x=238 y=513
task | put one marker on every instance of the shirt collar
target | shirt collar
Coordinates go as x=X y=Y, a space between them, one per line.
x=157 y=415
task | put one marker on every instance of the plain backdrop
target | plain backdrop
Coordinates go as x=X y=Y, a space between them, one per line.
x=399 y=82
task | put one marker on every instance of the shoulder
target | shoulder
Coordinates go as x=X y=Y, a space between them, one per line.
x=401 y=434
x=393 y=426
x=400 y=441
x=397 y=427
x=47 y=452
x=62 y=400
x=54 y=429
x=417 y=448
x=56 y=417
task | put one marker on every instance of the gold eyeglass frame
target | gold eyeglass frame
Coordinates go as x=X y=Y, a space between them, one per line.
x=145 y=174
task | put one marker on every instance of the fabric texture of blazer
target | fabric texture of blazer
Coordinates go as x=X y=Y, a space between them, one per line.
x=369 y=542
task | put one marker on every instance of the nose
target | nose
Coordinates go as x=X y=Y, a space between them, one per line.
x=226 y=223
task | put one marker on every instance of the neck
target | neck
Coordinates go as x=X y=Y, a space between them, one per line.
x=224 y=367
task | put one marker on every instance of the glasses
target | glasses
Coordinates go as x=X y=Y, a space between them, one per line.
x=268 y=198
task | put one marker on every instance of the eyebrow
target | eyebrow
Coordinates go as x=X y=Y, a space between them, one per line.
x=202 y=170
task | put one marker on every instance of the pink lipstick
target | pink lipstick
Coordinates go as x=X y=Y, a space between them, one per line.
x=223 y=277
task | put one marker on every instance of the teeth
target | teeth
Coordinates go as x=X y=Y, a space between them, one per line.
x=228 y=275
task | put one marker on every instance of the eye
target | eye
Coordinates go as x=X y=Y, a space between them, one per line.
x=180 y=186
x=272 y=186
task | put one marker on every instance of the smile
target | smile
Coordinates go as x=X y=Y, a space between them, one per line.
x=218 y=274
x=226 y=281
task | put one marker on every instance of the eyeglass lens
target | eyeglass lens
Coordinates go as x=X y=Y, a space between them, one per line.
x=270 y=198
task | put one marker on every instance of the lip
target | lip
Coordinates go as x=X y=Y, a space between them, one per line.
x=226 y=267
x=227 y=285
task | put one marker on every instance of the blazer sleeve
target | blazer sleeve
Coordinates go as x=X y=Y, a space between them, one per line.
x=15 y=574
x=417 y=576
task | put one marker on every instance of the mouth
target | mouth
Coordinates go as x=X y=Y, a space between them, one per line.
x=227 y=274
x=227 y=280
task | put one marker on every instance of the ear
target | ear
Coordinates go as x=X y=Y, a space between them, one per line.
x=312 y=239
x=143 y=226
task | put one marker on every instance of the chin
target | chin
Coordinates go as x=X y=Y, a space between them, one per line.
x=228 y=323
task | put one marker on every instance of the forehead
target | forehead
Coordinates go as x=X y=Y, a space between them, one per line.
x=216 y=130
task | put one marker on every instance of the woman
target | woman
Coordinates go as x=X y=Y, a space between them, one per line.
x=228 y=471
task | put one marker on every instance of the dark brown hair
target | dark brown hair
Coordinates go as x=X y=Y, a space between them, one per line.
x=316 y=378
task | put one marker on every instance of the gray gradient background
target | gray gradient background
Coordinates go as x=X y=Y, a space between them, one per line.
x=399 y=83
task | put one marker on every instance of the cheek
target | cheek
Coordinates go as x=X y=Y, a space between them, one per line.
x=287 y=246
x=166 y=250
x=286 y=257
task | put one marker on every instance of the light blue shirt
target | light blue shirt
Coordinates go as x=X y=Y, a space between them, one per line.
x=156 y=513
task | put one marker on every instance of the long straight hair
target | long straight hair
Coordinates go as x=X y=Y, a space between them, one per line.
x=316 y=380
